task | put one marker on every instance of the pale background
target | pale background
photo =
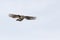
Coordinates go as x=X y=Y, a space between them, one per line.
x=45 y=27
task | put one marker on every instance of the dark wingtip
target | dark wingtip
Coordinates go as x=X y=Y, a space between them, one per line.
x=10 y=15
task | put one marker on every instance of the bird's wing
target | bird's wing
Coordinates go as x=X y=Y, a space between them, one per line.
x=14 y=16
x=30 y=17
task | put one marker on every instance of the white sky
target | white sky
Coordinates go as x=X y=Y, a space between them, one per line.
x=45 y=27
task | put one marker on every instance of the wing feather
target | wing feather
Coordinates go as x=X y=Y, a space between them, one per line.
x=30 y=17
x=14 y=16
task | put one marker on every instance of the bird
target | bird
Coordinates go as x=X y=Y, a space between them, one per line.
x=21 y=17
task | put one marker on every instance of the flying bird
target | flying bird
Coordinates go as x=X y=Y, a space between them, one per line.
x=21 y=17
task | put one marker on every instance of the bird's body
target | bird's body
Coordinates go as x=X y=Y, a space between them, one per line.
x=21 y=17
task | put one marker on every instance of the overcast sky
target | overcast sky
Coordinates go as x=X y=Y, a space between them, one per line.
x=45 y=27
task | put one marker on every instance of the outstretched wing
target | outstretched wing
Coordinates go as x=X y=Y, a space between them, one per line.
x=30 y=17
x=14 y=16
x=19 y=17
